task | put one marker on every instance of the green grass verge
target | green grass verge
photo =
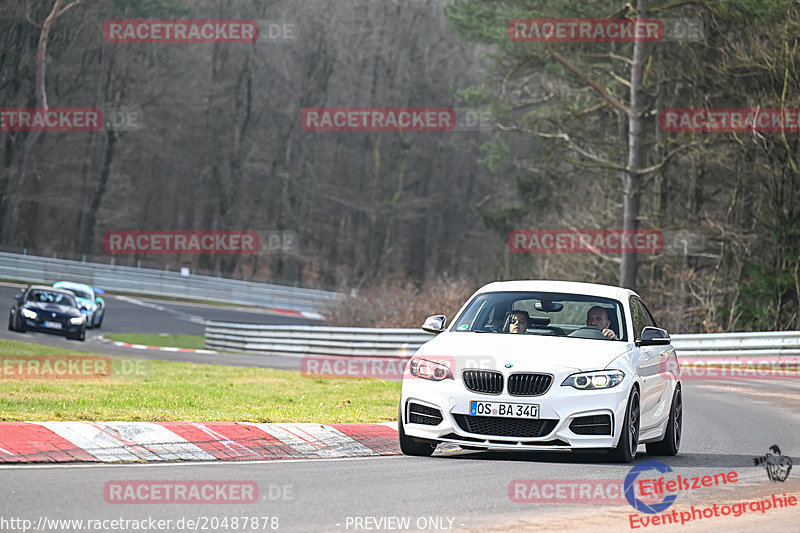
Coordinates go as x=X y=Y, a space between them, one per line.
x=195 y=342
x=167 y=391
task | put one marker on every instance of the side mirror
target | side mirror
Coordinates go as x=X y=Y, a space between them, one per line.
x=434 y=324
x=18 y=297
x=98 y=301
x=654 y=337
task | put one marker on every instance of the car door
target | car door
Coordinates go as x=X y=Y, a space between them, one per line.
x=654 y=385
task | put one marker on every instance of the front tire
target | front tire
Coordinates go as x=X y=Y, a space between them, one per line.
x=80 y=336
x=629 y=439
x=411 y=445
x=671 y=442
x=11 y=322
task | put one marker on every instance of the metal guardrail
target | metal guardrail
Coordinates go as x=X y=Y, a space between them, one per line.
x=144 y=281
x=751 y=344
x=314 y=340
x=391 y=342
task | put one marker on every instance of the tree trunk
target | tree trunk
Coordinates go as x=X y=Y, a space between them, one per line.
x=41 y=104
x=628 y=265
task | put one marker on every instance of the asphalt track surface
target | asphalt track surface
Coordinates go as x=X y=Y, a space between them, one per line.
x=725 y=428
x=726 y=425
x=128 y=314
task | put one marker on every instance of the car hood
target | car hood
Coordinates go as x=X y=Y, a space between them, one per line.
x=47 y=307
x=532 y=353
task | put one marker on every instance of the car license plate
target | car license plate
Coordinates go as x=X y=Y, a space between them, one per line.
x=52 y=325
x=513 y=410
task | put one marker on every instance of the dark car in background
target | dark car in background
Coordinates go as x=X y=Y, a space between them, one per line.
x=48 y=309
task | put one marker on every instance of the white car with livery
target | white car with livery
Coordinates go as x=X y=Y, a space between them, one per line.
x=89 y=301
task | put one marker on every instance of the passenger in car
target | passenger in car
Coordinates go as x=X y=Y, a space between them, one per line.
x=598 y=317
x=519 y=322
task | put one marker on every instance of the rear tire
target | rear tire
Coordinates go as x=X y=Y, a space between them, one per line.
x=411 y=445
x=629 y=439
x=671 y=442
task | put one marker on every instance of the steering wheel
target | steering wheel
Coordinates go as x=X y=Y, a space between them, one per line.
x=588 y=332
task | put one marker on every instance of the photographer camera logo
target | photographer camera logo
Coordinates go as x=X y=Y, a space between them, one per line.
x=778 y=466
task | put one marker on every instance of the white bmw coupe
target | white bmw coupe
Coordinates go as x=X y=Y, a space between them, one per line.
x=544 y=365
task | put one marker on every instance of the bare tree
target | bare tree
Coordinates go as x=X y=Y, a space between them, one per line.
x=41 y=105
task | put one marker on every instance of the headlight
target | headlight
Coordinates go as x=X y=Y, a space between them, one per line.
x=603 y=379
x=422 y=368
x=78 y=320
x=27 y=313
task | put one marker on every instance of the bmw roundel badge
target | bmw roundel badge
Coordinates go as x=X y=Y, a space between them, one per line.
x=509 y=365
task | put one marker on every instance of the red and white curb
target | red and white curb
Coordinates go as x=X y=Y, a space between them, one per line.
x=299 y=314
x=111 y=442
x=146 y=347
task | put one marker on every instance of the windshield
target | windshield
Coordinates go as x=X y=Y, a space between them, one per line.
x=82 y=294
x=538 y=313
x=54 y=297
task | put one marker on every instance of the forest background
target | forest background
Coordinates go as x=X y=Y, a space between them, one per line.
x=410 y=223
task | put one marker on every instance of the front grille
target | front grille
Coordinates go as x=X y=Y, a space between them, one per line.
x=591 y=425
x=483 y=381
x=529 y=384
x=505 y=427
x=422 y=414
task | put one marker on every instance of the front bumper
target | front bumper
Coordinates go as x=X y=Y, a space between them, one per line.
x=66 y=327
x=559 y=406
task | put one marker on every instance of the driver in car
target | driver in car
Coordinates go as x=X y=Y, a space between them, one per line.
x=518 y=322
x=598 y=317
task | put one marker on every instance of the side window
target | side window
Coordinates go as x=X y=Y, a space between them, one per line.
x=650 y=320
x=638 y=317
